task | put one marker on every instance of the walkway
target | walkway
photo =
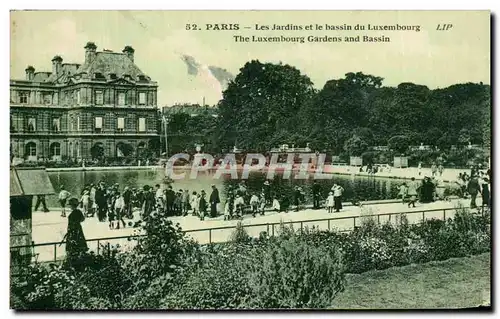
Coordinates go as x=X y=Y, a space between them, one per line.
x=50 y=227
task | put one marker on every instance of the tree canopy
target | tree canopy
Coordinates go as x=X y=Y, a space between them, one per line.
x=272 y=104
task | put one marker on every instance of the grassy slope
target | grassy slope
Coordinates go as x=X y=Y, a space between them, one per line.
x=455 y=283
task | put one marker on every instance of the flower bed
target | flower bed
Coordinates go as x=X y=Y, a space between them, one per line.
x=293 y=270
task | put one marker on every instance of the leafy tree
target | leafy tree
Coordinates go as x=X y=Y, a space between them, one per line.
x=262 y=101
x=399 y=143
x=355 y=146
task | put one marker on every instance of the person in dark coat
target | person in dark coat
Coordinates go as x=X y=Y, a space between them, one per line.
x=170 y=199
x=296 y=198
x=203 y=205
x=316 y=192
x=473 y=189
x=40 y=201
x=284 y=204
x=75 y=239
x=127 y=198
x=214 y=200
x=101 y=202
x=148 y=201
x=485 y=192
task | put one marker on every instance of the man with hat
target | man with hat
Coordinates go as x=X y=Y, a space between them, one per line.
x=101 y=201
x=214 y=200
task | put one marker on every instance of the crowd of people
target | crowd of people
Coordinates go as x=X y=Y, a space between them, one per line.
x=433 y=188
x=110 y=204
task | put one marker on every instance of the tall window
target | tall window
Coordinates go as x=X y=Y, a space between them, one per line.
x=142 y=98
x=31 y=124
x=120 y=124
x=78 y=97
x=55 y=149
x=23 y=97
x=99 y=98
x=121 y=98
x=56 y=125
x=77 y=123
x=142 y=124
x=31 y=148
x=98 y=124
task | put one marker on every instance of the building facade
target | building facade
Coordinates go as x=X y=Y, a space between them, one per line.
x=105 y=107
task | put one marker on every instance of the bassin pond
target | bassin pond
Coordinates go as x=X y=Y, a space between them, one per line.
x=360 y=188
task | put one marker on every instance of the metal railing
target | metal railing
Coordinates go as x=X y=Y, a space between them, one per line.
x=270 y=228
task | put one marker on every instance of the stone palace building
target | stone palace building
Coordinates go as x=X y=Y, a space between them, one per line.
x=105 y=107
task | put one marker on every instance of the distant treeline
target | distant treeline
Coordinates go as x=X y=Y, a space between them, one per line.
x=272 y=104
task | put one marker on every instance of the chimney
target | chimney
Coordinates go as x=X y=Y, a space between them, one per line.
x=30 y=73
x=90 y=52
x=129 y=51
x=56 y=64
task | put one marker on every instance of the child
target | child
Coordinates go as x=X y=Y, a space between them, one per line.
x=85 y=200
x=276 y=205
x=254 y=203
x=194 y=203
x=63 y=197
x=227 y=211
x=330 y=202
x=239 y=202
x=262 y=203
x=119 y=209
x=202 y=205
x=403 y=189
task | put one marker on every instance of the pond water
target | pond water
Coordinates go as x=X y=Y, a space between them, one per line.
x=361 y=188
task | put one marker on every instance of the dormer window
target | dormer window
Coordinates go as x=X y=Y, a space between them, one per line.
x=112 y=76
x=142 y=78
x=127 y=77
x=98 y=76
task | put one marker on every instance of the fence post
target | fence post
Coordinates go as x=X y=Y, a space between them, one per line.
x=273 y=230
x=301 y=227
x=354 y=221
x=390 y=215
x=210 y=236
x=444 y=214
x=268 y=229
x=378 y=219
x=423 y=216
x=98 y=244
x=55 y=252
x=328 y=224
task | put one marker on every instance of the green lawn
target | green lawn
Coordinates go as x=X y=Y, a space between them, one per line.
x=455 y=283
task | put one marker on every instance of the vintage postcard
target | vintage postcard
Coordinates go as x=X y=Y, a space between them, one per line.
x=217 y=160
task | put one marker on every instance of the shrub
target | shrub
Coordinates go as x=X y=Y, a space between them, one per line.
x=291 y=273
x=218 y=283
x=240 y=235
